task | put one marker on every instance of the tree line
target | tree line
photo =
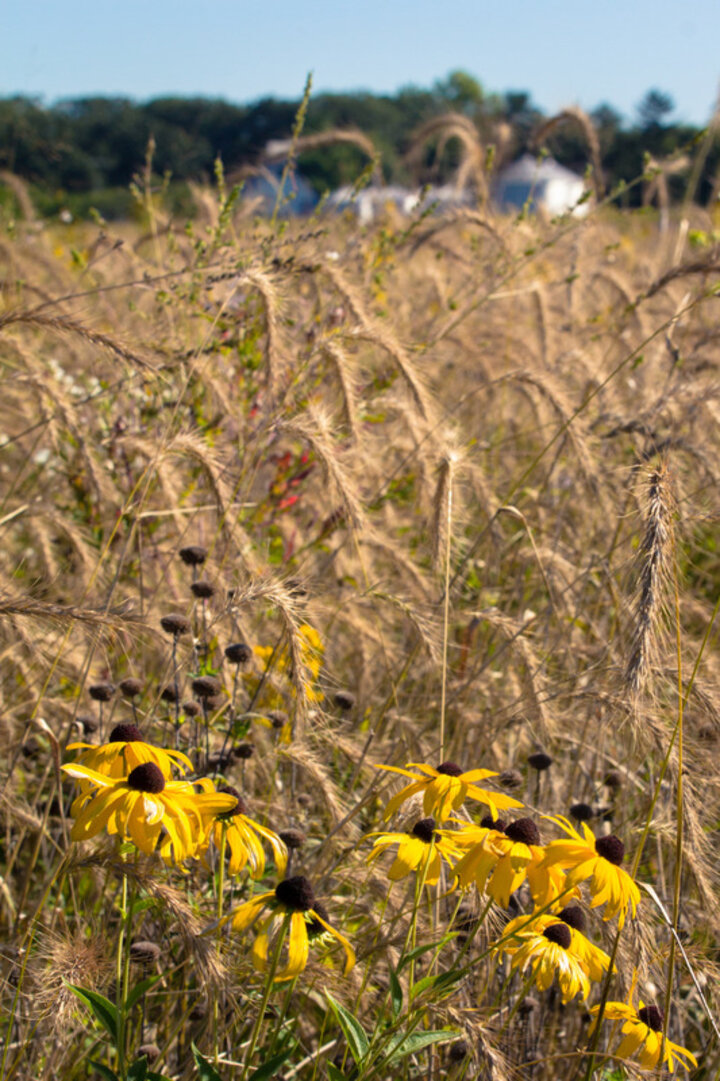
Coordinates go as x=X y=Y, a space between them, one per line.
x=94 y=144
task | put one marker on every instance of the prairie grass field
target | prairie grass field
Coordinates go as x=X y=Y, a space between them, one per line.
x=295 y=499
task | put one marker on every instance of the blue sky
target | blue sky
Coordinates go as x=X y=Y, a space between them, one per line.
x=583 y=53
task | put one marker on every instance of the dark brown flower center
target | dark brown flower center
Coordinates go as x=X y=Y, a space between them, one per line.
x=573 y=916
x=559 y=933
x=490 y=823
x=294 y=839
x=194 y=555
x=425 y=830
x=146 y=778
x=206 y=687
x=582 y=812
x=540 y=761
x=314 y=927
x=451 y=769
x=523 y=830
x=238 y=653
x=125 y=733
x=241 y=807
x=652 y=1016
x=611 y=849
x=295 y=893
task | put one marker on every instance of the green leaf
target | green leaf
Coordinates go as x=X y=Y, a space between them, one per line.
x=206 y=1072
x=138 y=991
x=396 y=994
x=353 y=1031
x=442 y=981
x=137 y=1071
x=333 y=1073
x=105 y=1071
x=417 y=1040
x=420 y=950
x=103 y=1009
x=268 y=1068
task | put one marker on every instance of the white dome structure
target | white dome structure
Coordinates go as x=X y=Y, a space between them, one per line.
x=540 y=184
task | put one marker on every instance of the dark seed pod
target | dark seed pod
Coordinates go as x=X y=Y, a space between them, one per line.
x=191 y=709
x=219 y=759
x=559 y=933
x=489 y=823
x=450 y=769
x=194 y=555
x=131 y=687
x=304 y=800
x=206 y=687
x=277 y=717
x=144 y=952
x=573 y=916
x=238 y=653
x=102 y=692
x=611 y=849
x=203 y=589
x=295 y=893
x=511 y=778
x=613 y=779
x=652 y=1016
x=243 y=751
x=458 y=1051
x=293 y=838
x=175 y=624
x=215 y=701
x=169 y=694
x=540 y=761
x=89 y=724
x=344 y=700
x=523 y=830
x=198 y=1012
x=147 y=777
x=125 y=733
x=425 y=830
x=582 y=812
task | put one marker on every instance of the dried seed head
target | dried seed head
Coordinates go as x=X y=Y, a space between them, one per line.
x=151 y=1051
x=191 y=709
x=205 y=687
x=147 y=777
x=203 y=589
x=540 y=761
x=295 y=893
x=652 y=1016
x=125 y=733
x=89 y=724
x=219 y=759
x=293 y=838
x=573 y=916
x=511 y=778
x=169 y=693
x=241 y=807
x=490 y=823
x=277 y=717
x=559 y=933
x=425 y=830
x=303 y=799
x=523 y=830
x=238 y=653
x=243 y=751
x=131 y=687
x=450 y=769
x=144 y=952
x=102 y=692
x=194 y=555
x=344 y=700
x=613 y=779
x=215 y=701
x=582 y=812
x=611 y=849
x=176 y=624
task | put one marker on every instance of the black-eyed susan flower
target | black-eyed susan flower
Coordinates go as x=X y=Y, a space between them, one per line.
x=420 y=850
x=642 y=1036
x=292 y=908
x=126 y=749
x=594 y=960
x=501 y=857
x=242 y=837
x=445 y=789
x=585 y=857
x=142 y=805
x=548 y=954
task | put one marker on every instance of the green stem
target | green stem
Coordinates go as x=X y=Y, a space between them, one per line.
x=119 y=978
x=266 y=995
